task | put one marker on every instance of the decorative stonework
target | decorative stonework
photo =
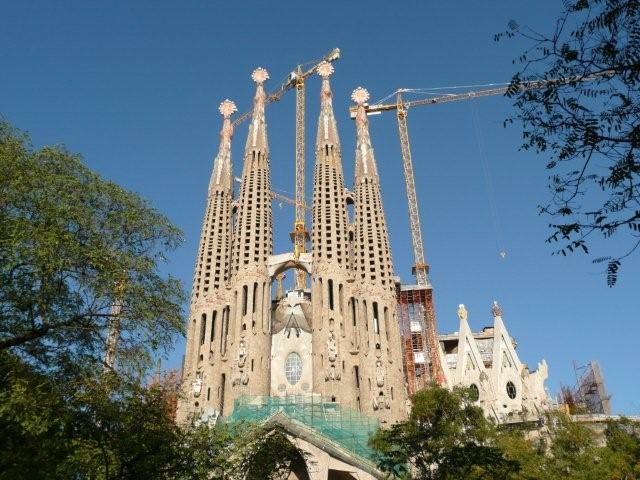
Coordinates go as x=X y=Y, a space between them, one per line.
x=260 y=75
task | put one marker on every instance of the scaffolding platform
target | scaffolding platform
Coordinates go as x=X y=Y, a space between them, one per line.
x=348 y=428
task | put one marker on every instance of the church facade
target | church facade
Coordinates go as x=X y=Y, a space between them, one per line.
x=330 y=354
x=339 y=337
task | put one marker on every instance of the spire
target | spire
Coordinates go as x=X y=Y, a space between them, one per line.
x=221 y=179
x=257 y=139
x=365 y=160
x=327 y=129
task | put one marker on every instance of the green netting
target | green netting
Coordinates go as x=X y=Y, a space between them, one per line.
x=349 y=428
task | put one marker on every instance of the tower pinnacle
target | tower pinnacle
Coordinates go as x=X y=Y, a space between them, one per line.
x=222 y=176
x=257 y=139
x=365 y=161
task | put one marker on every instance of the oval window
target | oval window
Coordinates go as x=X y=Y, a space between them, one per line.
x=511 y=390
x=293 y=368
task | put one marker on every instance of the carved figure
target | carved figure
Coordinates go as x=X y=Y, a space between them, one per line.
x=379 y=373
x=197 y=387
x=242 y=353
x=332 y=348
x=332 y=374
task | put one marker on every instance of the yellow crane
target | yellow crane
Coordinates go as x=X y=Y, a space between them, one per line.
x=296 y=79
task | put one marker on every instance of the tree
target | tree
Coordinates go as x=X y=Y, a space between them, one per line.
x=587 y=120
x=446 y=437
x=72 y=246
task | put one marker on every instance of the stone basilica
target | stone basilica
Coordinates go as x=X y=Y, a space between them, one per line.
x=329 y=359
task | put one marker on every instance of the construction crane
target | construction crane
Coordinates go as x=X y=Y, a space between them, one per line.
x=420 y=267
x=296 y=79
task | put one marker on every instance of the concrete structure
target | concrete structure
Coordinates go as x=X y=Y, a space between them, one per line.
x=487 y=362
x=339 y=339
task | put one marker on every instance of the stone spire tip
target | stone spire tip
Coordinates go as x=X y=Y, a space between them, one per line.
x=325 y=69
x=360 y=95
x=496 y=310
x=260 y=75
x=227 y=108
x=462 y=312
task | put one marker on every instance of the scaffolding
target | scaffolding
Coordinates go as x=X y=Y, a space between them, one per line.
x=421 y=361
x=346 y=427
x=590 y=391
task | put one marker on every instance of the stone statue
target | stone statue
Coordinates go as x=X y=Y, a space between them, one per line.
x=332 y=348
x=197 y=387
x=332 y=374
x=242 y=353
x=379 y=373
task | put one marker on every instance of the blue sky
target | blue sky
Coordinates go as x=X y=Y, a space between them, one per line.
x=134 y=87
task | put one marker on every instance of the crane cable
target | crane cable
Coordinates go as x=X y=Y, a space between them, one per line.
x=495 y=217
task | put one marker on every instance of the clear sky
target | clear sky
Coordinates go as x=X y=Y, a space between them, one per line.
x=134 y=86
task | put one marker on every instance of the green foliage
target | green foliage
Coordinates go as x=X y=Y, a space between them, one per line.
x=72 y=245
x=445 y=437
x=586 y=118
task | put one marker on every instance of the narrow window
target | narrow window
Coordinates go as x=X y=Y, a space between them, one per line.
x=213 y=325
x=245 y=292
x=331 y=294
x=203 y=327
x=340 y=298
x=353 y=311
x=356 y=372
x=376 y=321
x=255 y=291
x=386 y=322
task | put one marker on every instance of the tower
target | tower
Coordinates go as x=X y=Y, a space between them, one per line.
x=204 y=370
x=332 y=362
x=250 y=285
x=374 y=287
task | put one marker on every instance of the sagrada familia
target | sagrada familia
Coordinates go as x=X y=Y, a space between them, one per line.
x=330 y=361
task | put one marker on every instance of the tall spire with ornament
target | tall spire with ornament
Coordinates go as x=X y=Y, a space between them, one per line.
x=381 y=356
x=330 y=249
x=209 y=300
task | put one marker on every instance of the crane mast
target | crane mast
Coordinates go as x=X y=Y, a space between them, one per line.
x=300 y=234
x=420 y=267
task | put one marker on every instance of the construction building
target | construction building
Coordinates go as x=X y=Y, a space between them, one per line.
x=338 y=355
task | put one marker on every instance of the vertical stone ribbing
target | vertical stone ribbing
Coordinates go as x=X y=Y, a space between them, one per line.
x=381 y=353
x=332 y=363
x=209 y=299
